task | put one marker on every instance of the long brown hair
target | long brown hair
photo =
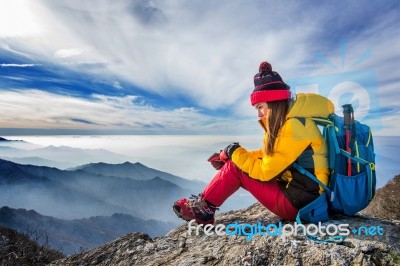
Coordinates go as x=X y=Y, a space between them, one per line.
x=276 y=116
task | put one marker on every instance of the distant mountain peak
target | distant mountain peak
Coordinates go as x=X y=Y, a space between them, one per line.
x=9 y=140
x=6 y=211
x=7 y=163
x=157 y=178
x=136 y=171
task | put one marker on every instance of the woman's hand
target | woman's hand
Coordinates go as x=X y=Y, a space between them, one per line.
x=226 y=154
x=216 y=161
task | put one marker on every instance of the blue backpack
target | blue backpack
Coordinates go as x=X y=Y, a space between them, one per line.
x=351 y=158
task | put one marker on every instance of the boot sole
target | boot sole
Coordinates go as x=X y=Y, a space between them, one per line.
x=197 y=220
x=177 y=213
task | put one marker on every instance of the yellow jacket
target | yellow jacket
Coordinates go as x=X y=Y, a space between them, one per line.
x=299 y=140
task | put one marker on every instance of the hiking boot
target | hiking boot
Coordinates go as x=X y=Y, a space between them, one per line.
x=195 y=208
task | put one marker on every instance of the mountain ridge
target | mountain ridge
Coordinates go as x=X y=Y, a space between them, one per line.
x=73 y=236
x=121 y=194
x=137 y=171
x=62 y=155
x=22 y=188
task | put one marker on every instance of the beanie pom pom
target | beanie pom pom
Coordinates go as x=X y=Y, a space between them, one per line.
x=264 y=67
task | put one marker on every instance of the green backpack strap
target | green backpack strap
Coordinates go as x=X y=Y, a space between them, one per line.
x=311 y=176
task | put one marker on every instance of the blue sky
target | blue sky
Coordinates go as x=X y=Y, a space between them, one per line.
x=186 y=67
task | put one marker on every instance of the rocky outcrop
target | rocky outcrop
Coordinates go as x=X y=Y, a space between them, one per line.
x=19 y=249
x=386 y=203
x=379 y=247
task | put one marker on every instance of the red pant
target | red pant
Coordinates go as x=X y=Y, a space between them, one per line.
x=230 y=178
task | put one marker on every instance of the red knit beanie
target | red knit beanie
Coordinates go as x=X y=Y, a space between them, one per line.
x=269 y=86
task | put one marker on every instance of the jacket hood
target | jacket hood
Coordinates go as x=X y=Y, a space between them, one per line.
x=311 y=105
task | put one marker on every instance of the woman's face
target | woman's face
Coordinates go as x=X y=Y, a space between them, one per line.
x=262 y=109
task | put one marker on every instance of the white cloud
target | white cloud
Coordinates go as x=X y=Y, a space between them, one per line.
x=6 y=47
x=17 y=20
x=39 y=109
x=62 y=53
x=208 y=53
x=117 y=85
x=19 y=65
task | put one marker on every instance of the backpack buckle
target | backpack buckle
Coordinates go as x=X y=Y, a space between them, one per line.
x=372 y=165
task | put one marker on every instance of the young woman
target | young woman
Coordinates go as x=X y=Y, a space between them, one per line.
x=267 y=173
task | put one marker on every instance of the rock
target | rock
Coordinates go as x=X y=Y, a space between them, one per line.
x=386 y=203
x=18 y=249
x=179 y=248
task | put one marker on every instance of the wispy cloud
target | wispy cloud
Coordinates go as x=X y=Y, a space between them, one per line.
x=19 y=65
x=63 y=53
x=200 y=54
x=37 y=110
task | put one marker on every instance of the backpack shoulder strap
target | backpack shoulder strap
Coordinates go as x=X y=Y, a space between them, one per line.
x=311 y=176
x=329 y=128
